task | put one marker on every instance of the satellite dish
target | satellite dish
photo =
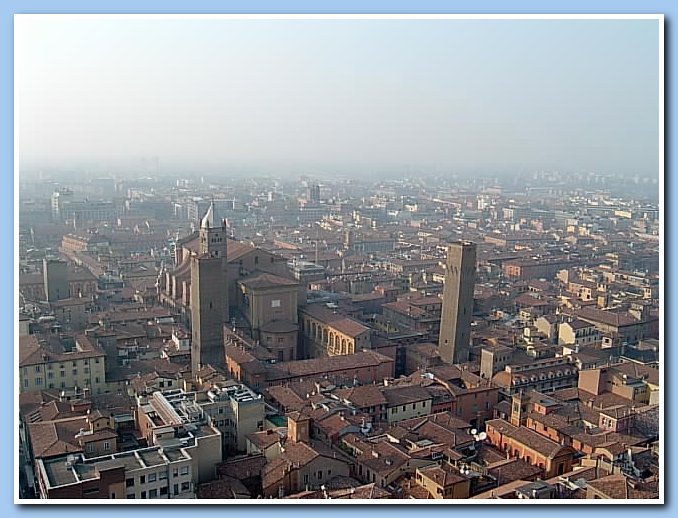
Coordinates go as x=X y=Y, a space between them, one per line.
x=473 y=431
x=482 y=436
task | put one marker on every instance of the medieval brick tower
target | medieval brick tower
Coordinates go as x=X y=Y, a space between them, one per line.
x=455 y=324
x=209 y=294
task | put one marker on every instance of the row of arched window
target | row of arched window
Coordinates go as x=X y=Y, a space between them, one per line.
x=334 y=342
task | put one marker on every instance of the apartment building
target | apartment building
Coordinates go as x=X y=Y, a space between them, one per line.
x=235 y=410
x=633 y=382
x=148 y=473
x=545 y=375
x=173 y=420
x=60 y=362
x=406 y=403
x=578 y=332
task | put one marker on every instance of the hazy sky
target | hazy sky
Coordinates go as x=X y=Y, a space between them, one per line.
x=283 y=94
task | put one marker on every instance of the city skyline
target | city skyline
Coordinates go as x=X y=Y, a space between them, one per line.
x=527 y=320
x=282 y=95
x=306 y=258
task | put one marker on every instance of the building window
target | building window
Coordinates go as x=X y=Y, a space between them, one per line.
x=75 y=372
x=175 y=472
x=152 y=477
x=50 y=375
x=25 y=382
x=38 y=381
x=107 y=446
x=184 y=470
x=275 y=303
x=143 y=494
x=185 y=486
x=163 y=490
x=129 y=482
x=62 y=373
x=153 y=493
x=131 y=496
x=305 y=479
x=162 y=475
x=37 y=368
x=319 y=474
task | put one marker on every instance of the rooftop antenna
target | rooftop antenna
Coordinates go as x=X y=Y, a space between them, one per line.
x=317 y=237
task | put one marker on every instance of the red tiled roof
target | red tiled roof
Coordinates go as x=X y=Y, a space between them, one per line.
x=54 y=438
x=526 y=437
x=266 y=280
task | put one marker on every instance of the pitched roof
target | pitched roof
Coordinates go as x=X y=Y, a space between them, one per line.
x=31 y=352
x=578 y=324
x=404 y=395
x=607 y=317
x=236 y=250
x=223 y=488
x=316 y=366
x=527 y=437
x=443 y=475
x=242 y=468
x=509 y=470
x=362 y=396
x=53 y=438
x=349 y=327
x=266 y=280
x=294 y=455
x=266 y=438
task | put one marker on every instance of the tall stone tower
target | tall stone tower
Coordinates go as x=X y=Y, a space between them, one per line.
x=455 y=324
x=209 y=294
x=55 y=278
